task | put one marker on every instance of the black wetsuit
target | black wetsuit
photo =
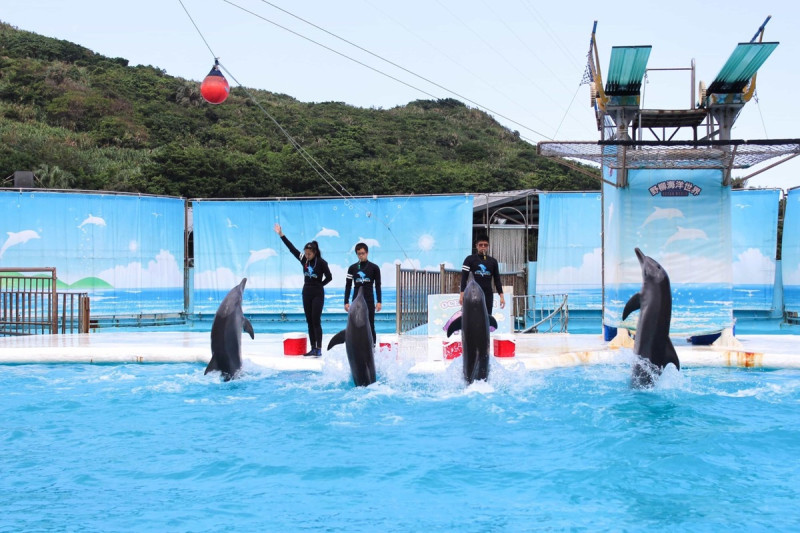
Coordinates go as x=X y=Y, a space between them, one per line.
x=316 y=275
x=484 y=268
x=364 y=276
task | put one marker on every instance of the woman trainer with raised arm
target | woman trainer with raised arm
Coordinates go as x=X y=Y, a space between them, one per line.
x=316 y=275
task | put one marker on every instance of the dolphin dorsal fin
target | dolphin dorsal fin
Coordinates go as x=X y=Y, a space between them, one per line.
x=633 y=304
x=339 y=338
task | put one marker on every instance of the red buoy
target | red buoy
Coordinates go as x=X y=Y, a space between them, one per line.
x=215 y=88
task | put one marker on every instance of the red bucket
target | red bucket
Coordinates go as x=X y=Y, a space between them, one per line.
x=504 y=346
x=294 y=344
x=451 y=349
x=387 y=346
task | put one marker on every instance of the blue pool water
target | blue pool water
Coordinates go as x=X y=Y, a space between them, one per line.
x=165 y=448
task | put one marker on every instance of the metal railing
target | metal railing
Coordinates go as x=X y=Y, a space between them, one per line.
x=414 y=287
x=31 y=305
x=541 y=313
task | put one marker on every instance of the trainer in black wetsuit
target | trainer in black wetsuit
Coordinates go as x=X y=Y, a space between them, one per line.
x=363 y=276
x=485 y=269
x=316 y=275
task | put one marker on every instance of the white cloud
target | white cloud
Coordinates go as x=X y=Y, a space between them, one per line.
x=588 y=273
x=215 y=279
x=162 y=271
x=681 y=268
x=752 y=267
x=791 y=277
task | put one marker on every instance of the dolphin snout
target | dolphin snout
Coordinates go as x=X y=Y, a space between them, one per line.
x=639 y=255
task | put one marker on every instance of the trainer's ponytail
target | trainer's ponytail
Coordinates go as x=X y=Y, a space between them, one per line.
x=314 y=247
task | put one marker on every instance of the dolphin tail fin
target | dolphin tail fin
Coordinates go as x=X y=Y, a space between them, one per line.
x=454 y=326
x=633 y=304
x=337 y=339
x=248 y=327
x=670 y=355
x=212 y=366
x=493 y=322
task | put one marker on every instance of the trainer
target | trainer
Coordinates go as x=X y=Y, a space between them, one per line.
x=364 y=276
x=485 y=269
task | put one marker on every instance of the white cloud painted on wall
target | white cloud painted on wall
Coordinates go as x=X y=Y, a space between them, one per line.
x=163 y=271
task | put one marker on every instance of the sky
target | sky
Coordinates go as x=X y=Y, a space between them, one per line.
x=520 y=60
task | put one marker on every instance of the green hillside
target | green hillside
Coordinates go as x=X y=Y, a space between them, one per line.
x=81 y=120
x=90 y=283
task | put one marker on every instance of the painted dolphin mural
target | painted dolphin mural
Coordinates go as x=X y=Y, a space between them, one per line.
x=226 y=334
x=474 y=324
x=358 y=341
x=652 y=343
x=18 y=238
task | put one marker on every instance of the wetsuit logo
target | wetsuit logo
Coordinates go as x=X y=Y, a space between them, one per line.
x=309 y=273
x=362 y=278
x=482 y=271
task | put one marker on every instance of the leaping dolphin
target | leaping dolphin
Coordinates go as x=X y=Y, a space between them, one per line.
x=652 y=344
x=226 y=335
x=18 y=238
x=474 y=324
x=358 y=341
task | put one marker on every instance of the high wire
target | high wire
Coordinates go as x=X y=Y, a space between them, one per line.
x=477 y=104
x=390 y=62
x=330 y=180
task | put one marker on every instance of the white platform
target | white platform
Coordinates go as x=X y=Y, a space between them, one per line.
x=425 y=353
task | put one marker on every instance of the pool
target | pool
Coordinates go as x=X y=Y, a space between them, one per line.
x=163 y=447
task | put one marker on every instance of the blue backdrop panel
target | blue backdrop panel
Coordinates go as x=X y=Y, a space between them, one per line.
x=569 y=252
x=125 y=251
x=681 y=218
x=790 y=253
x=235 y=239
x=754 y=217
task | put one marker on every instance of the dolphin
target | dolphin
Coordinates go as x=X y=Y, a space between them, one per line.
x=91 y=219
x=687 y=234
x=357 y=339
x=18 y=238
x=474 y=324
x=226 y=335
x=326 y=232
x=260 y=255
x=660 y=214
x=652 y=344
